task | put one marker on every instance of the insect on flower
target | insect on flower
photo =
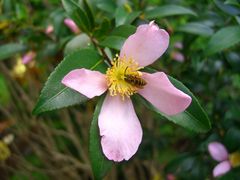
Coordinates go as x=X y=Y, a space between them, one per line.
x=121 y=132
x=134 y=80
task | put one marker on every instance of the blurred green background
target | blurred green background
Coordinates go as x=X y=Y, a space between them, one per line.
x=203 y=53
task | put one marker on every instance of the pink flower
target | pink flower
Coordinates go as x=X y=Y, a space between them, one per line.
x=178 y=45
x=220 y=154
x=49 y=29
x=171 y=177
x=29 y=56
x=120 y=129
x=71 y=24
x=178 y=56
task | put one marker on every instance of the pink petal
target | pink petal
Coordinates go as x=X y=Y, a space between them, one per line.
x=71 y=25
x=146 y=45
x=88 y=83
x=49 y=29
x=28 y=57
x=163 y=95
x=222 y=168
x=120 y=128
x=171 y=177
x=218 y=151
x=178 y=56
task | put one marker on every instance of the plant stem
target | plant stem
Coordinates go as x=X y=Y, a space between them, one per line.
x=95 y=43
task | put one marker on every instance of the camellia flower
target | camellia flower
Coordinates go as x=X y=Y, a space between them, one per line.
x=71 y=24
x=219 y=153
x=120 y=129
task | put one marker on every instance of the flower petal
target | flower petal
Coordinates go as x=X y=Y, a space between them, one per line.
x=28 y=57
x=163 y=95
x=86 y=82
x=178 y=56
x=218 y=151
x=221 y=168
x=120 y=128
x=71 y=24
x=146 y=45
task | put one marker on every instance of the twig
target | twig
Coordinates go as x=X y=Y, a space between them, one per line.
x=95 y=43
x=7 y=114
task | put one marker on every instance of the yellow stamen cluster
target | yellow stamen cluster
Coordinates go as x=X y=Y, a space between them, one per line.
x=235 y=159
x=116 y=76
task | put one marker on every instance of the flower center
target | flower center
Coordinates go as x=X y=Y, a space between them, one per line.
x=235 y=159
x=123 y=77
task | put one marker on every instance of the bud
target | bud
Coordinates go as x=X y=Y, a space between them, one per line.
x=178 y=56
x=49 y=29
x=178 y=45
x=71 y=25
x=29 y=56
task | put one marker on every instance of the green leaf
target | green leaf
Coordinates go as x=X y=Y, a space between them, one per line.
x=196 y=28
x=89 y=13
x=231 y=10
x=232 y=2
x=168 y=10
x=78 y=42
x=103 y=29
x=223 y=39
x=124 y=17
x=11 y=49
x=69 y=5
x=100 y=164
x=181 y=160
x=21 y=11
x=131 y=17
x=231 y=137
x=123 y=31
x=7 y=6
x=77 y=14
x=5 y=96
x=57 y=17
x=55 y=95
x=193 y=118
x=107 y=5
x=120 y=16
x=114 y=42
